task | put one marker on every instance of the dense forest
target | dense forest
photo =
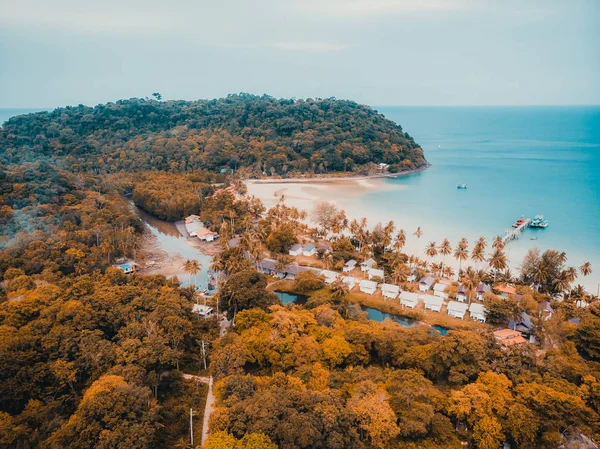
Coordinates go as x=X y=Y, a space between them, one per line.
x=261 y=135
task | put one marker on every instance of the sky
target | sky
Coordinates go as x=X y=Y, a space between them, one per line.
x=377 y=52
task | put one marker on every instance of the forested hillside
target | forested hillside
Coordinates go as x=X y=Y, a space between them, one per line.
x=261 y=134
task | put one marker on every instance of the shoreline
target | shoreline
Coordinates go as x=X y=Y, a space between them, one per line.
x=334 y=178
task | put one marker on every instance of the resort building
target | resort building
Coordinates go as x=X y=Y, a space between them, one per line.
x=127 y=268
x=545 y=310
x=477 y=312
x=409 y=299
x=324 y=248
x=368 y=287
x=330 y=276
x=462 y=294
x=390 y=291
x=309 y=250
x=482 y=289
x=411 y=278
x=202 y=310
x=205 y=235
x=439 y=290
x=426 y=283
x=376 y=273
x=349 y=266
x=433 y=303
x=367 y=265
x=193 y=224
x=523 y=325
x=509 y=337
x=295 y=250
x=457 y=309
x=349 y=281
x=505 y=290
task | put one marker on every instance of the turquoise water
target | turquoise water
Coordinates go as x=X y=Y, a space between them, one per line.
x=379 y=316
x=291 y=298
x=516 y=161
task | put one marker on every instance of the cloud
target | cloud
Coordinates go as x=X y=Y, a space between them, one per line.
x=363 y=8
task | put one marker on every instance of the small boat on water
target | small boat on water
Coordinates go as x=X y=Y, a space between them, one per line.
x=461 y=186
x=539 y=222
x=519 y=222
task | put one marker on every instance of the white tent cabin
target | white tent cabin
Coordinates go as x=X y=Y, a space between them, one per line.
x=350 y=281
x=477 y=311
x=375 y=273
x=367 y=264
x=390 y=291
x=409 y=299
x=330 y=276
x=368 y=287
x=439 y=290
x=457 y=309
x=433 y=303
x=349 y=266
x=296 y=250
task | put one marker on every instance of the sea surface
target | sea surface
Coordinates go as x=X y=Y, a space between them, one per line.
x=516 y=161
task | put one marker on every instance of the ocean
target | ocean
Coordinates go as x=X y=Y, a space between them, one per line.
x=516 y=161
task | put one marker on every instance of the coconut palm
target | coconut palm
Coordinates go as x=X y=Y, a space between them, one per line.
x=400 y=240
x=571 y=274
x=192 y=267
x=339 y=289
x=461 y=253
x=562 y=284
x=498 y=243
x=400 y=272
x=448 y=272
x=469 y=281
x=445 y=249
x=478 y=253
x=418 y=234
x=586 y=269
x=431 y=250
x=497 y=262
x=328 y=261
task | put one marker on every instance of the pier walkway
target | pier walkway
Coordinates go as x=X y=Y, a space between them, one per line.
x=513 y=234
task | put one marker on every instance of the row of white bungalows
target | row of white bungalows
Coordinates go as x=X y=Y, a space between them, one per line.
x=376 y=273
x=390 y=291
x=303 y=250
x=439 y=289
x=457 y=309
x=367 y=265
x=330 y=276
x=368 y=287
x=433 y=303
x=426 y=283
x=409 y=299
x=349 y=266
x=350 y=281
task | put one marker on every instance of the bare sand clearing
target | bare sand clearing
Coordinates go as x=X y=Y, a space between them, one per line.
x=305 y=194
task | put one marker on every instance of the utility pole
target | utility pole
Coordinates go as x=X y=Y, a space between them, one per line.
x=204 y=354
x=191 y=427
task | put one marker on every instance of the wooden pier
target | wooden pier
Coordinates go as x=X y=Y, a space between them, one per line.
x=515 y=233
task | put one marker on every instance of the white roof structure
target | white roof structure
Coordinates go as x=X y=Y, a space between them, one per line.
x=330 y=276
x=457 y=309
x=390 y=291
x=202 y=310
x=367 y=264
x=477 y=311
x=439 y=287
x=411 y=278
x=433 y=303
x=376 y=273
x=409 y=299
x=349 y=281
x=351 y=263
x=368 y=287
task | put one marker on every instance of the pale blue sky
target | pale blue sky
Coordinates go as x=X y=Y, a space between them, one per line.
x=379 y=52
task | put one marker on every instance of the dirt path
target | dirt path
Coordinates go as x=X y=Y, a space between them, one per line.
x=210 y=400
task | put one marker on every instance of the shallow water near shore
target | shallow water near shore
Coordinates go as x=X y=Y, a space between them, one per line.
x=516 y=161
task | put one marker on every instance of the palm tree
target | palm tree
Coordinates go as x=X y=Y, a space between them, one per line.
x=498 y=243
x=586 y=269
x=400 y=272
x=339 y=289
x=448 y=272
x=328 y=261
x=192 y=267
x=388 y=230
x=478 y=254
x=461 y=253
x=431 y=250
x=571 y=274
x=497 y=262
x=400 y=240
x=418 y=234
x=469 y=280
x=445 y=250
